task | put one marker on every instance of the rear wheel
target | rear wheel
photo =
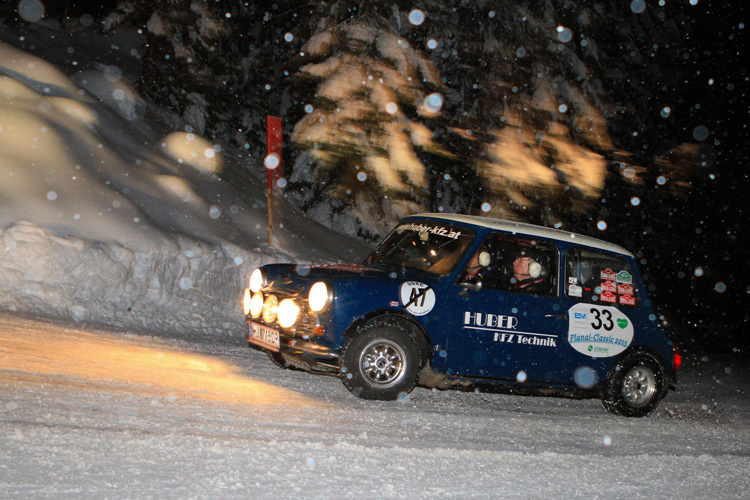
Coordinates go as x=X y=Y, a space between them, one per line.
x=635 y=386
x=380 y=362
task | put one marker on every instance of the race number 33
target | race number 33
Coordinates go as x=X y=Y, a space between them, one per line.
x=598 y=331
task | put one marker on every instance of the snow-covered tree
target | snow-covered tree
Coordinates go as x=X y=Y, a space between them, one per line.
x=366 y=124
x=183 y=67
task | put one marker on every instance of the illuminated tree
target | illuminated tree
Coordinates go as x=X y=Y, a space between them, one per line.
x=365 y=135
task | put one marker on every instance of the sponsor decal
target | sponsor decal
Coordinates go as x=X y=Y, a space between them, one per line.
x=436 y=230
x=627 y=300
x=608 y=297
x=504 y=330
x=599 y=331
x=575 y=291
x=395 y=303
x=572 y=280
x=417 y=298
x=608 y=275
x=609 y=286
x=490 y=320
x=624 y=289
x=624 y=277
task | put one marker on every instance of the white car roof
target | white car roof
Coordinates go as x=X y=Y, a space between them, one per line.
x=531 y=230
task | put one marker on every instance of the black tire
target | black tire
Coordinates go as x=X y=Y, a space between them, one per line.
x=380 y=362
x=635 y=386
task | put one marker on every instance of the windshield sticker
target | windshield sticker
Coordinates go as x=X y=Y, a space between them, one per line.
x=417 y=298
x=608 y=275
x=436 y=230
x=609 y=286
x=627 y=300
x=624 y=289
x=608 y=297
x=624 y=277
x=575 y=291
x=599 y=331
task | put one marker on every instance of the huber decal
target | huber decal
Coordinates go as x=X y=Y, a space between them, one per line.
x=416 y=297
x=599 y=331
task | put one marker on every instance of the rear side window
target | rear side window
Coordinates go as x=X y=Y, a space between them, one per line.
x=598 y=277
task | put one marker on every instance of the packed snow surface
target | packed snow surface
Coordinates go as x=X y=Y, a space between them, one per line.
x=92 y=414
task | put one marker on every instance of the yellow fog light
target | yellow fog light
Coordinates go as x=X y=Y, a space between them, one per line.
x=246 y=301
x=256 y=280
x=318 y=296
x=270 y=309
x=256 y=305
x=288 y=312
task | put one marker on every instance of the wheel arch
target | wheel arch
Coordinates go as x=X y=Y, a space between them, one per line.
x=406 y=321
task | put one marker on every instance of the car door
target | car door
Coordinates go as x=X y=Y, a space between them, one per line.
x=507 y=320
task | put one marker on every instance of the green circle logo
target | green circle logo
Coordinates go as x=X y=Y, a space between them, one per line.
x=591 y=348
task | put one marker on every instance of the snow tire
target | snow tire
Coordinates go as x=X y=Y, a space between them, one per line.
x=380 y=362
x=635 y=386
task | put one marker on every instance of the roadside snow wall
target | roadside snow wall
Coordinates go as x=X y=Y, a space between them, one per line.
x=184 y=287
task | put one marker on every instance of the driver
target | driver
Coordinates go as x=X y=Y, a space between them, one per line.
x=477 y=265
x=528 y=275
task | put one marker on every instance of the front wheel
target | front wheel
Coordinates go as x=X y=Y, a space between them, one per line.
x=380 y=362
x=635 y=386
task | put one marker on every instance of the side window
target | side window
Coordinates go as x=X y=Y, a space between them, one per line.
x=592 y=276
x=514 y=265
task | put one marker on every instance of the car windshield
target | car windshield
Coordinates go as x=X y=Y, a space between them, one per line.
x=434 y=248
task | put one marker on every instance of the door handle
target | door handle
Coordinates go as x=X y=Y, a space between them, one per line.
x=557 y=316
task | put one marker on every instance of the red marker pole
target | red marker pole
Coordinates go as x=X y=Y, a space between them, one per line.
x=272 y=163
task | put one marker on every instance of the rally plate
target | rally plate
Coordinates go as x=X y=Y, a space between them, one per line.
x=264 y=336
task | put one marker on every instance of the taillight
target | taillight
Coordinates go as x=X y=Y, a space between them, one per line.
x=676 y=357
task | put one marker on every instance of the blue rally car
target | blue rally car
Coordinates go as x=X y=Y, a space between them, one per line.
x=451 y=300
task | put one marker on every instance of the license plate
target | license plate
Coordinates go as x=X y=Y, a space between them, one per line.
x=264 y=336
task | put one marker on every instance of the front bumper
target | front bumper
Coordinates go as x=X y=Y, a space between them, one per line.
x=313 y=355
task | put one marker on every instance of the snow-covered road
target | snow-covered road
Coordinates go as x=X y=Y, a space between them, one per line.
x=86 y=413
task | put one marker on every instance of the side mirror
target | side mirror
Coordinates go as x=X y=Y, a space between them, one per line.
x=467 y=287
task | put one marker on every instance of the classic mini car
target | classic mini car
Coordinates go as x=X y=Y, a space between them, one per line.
x=450 y=300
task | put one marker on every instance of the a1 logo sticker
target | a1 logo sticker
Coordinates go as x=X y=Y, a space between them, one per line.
x=598 y=331
x=417 y=298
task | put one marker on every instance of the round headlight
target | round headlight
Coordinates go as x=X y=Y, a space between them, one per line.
x=270 y=309
x=256 y=305
x=256 y=281
x=246 y=300
x=288 y=312
x=318 y=296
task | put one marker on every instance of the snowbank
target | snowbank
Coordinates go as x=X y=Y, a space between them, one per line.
x=109 y=216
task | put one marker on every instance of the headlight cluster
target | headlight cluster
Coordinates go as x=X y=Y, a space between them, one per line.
x=318 y=296
x=286 y=312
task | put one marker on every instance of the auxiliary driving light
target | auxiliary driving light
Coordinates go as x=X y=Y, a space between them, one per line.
x=256 y=305
x=246 y=301
x=288 y=312
x=256 y=280
x=270 y=309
